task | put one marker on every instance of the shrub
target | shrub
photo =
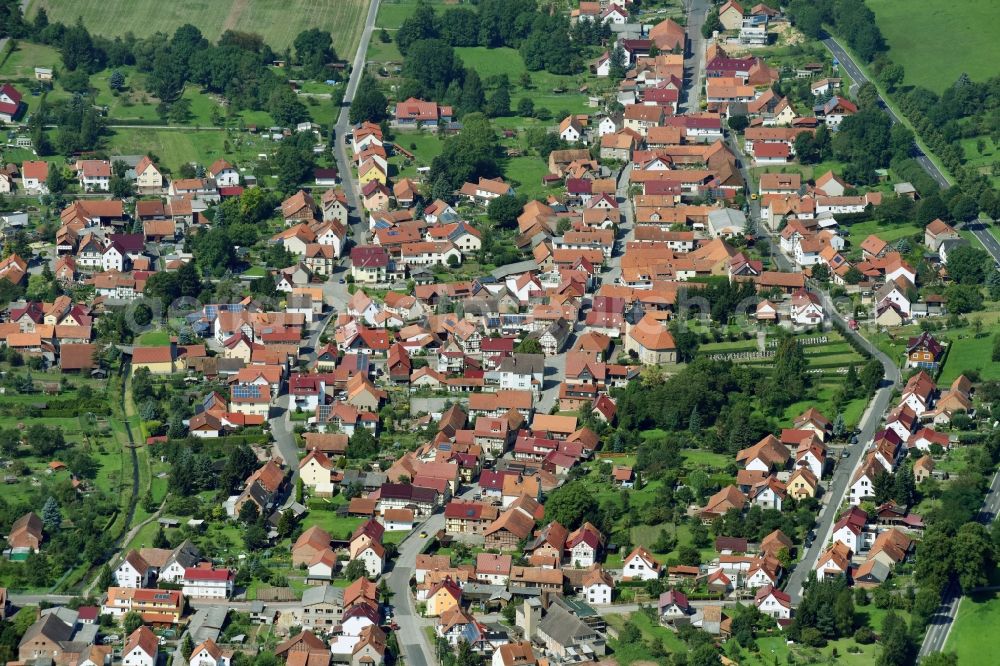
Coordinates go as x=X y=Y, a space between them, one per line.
x=864 y=636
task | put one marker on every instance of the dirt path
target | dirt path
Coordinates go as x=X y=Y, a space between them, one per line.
x=235 y=12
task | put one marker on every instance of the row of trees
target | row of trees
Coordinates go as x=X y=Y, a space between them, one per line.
x=966 y=109
x=238 y=66
x=543 y=38
x=850 y=18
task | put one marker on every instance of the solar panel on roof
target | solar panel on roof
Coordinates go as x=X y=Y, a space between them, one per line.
x=246 y=391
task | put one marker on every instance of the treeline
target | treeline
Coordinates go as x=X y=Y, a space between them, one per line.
x=472 y=153
x=711 y=402
x=237 y=67
x=966 y=109
x=79 y=128
x=545 y=41
x=851 y=20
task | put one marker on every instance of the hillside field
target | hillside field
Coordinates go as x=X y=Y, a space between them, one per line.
x=936 y=40
x=279 y=21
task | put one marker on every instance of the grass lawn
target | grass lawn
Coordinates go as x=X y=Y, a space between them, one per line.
x=807 y=171
x=626 y=654
x=774 y=650
x=706 y=459
x=392 y=13
x=144 y=537
x=526 y=173
x=21 y=62
x=383 y=52
x=154 y=338
x=176 y=147
x=544 y=86
x=974 y=633
x=339 y=527
x=967 y=353
x=889 y=233
x=924 y=39
x=425 y=146
x=278 y=22
x=982 y=162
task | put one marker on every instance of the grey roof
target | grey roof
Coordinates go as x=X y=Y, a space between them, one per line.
x=565 y=628
x=86 y=634
x=726 y=217
x=514 y=269
x=323 y=594
x=49 y=626
x=880 y=570
x=130 y=160
x=887 y=289
x=524 y=364
x=484 y=591
x=364 y=479
x=559 y=329
x=186 y=555
x=207 y=623
x=67 y=615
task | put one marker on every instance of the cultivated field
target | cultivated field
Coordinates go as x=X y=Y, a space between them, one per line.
x=279 y=21
x=937 y=40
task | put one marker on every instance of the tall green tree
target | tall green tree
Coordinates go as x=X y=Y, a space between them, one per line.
x=51 y=515
x=571 y=505
x=974 y=556
x=369 y=103
x=313 y=50
x=131 y=622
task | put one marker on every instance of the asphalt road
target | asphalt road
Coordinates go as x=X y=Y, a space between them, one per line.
x=411 y=637
x=859 y=77
x=613 y=270
x=838 y=485
x=697 y=10
x=343 y=125
x=941 y=622
x=982 y=233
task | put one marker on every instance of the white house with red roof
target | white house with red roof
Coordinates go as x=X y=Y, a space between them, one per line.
x=207 y=583
x=772 y=602
x=640 y=565
x=34 y=177
x=583 y=545
x=924 y=438
x=207 y=653
x=141 y=648
x=415 y=112
x=10 y=103
x=806 y=308
x=94 y=175
x=224 y=174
